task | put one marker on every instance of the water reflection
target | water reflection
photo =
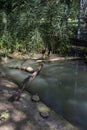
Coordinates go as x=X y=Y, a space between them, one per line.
x=64 y=89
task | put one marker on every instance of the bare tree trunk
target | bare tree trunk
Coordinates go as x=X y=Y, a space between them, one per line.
x=79 y=19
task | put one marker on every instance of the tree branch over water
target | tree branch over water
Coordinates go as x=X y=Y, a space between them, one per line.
x=18 y=93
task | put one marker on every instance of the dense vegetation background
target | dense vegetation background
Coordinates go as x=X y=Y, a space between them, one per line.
x=31 y=25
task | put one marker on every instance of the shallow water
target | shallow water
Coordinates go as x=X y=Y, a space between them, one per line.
x=63 y=87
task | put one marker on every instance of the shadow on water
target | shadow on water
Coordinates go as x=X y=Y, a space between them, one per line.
x=63 y=87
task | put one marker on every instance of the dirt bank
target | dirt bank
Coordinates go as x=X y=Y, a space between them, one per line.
x=35 y=56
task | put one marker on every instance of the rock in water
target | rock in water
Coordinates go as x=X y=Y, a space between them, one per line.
x=35 y=98
x=44 y=114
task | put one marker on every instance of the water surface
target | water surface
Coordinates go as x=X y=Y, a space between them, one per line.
x=63 y=87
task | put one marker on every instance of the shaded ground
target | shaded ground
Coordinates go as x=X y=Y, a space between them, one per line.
x=26 y=114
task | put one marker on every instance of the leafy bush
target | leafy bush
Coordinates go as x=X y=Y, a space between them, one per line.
x=33 y=25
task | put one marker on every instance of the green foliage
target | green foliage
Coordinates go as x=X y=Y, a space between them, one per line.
x=35 y=24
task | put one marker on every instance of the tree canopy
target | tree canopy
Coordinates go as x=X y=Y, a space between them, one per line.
x=35 y=24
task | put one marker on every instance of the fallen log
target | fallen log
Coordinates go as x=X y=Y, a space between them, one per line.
x=16 y=96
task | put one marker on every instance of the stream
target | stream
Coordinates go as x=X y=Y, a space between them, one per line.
x=61 y=85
